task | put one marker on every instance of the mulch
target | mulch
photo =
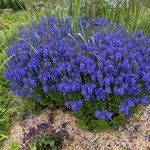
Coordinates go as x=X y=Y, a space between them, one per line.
x=135 y=135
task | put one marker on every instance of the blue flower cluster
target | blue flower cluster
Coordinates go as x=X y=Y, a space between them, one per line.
x=103 y=115
x=126 y=106
x=74 y=105
x=103 y=61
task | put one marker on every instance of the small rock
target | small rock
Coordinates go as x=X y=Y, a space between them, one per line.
x=108 y=146
x=147 y=138
x=64 y=125
x=136 y=128
x=39 y=5
x=6 y=10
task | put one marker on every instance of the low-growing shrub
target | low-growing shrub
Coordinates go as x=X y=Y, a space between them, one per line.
x=100 y=71
x=46 y=142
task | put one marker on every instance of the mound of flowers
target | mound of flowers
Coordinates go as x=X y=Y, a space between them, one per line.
x=101 y=71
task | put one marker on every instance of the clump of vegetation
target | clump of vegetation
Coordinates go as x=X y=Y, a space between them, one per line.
x=46 y=142
x=100 y=71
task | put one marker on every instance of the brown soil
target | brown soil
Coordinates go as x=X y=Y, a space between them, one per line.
x=135 y=135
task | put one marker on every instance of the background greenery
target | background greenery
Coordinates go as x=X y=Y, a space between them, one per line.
x=134 y=15
x=12 y=4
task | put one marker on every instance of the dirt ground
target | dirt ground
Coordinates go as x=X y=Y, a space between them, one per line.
x=135 y=135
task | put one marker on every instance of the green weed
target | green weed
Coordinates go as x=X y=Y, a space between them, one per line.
x=46 y=142
x=13 y=146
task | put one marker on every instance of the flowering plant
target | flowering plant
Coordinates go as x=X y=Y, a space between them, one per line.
x=100 y=71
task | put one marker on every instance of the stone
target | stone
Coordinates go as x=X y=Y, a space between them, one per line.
x=39 y=5
x=6 y=10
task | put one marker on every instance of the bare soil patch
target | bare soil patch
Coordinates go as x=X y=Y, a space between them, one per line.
x=135 y=135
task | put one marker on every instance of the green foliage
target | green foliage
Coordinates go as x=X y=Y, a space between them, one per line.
x=135 y=110
x=4 y=122
x=8 y=109
x=12 y=4
x=75 y=12
x=4 y=119
x=27 y=106
x=87 y=120
x=56 y=99
x=146 y=3
x=13 y=146
x=2 y=138
x=46 y=142
x=127 y=12
x=4 y=114
x=51 y=100
x=144 y=20
x=95 y=8
x=123 y=12
x=118 y=120
x=8 y=103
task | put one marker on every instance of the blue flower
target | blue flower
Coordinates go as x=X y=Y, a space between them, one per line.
x=103 y=115
x=74 y=105
x=124 y=109
x=100 y=94
x=145 y=100
x=119 y=91
x=88 y=90
x=108 y=89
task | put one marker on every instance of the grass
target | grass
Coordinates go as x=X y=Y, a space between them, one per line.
x=134 y=16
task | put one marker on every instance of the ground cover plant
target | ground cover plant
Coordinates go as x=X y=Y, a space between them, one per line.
x=46 y=142
x=100 y=70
